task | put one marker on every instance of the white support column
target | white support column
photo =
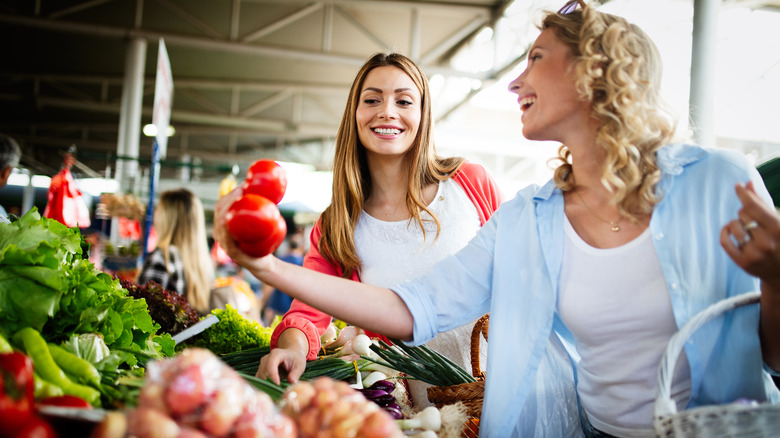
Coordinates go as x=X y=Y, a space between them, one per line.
x=703 y=53
x=130 y=116
x=415 y=36
x=130 y=121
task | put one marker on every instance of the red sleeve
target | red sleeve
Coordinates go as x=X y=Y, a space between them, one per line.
x=481 y=188
x=305 y=318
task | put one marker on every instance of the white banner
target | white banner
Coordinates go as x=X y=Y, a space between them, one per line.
x=163 y=95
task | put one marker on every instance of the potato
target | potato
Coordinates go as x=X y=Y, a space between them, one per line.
x=151 y=423
x=221 y=411
x=152 y=395
x=379 y=424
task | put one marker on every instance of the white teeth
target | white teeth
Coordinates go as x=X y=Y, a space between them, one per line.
x=526 y=102
x=387 y=131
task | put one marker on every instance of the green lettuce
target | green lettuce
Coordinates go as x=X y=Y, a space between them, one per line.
x=46 y=284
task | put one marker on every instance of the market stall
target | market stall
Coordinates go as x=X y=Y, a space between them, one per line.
x=96 y=355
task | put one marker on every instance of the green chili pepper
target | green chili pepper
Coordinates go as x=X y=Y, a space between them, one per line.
x=77 y=367
x=5 y=346
x=38 y=350
x=44 y=389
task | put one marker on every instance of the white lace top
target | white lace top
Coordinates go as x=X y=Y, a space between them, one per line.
x=393 y=252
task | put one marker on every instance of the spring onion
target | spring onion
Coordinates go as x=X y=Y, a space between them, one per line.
x=427 y=419
x=420 y=363
x=374 y=377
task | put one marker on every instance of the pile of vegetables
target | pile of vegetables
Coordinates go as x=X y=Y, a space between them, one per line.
x=194 y=393
x=54 y=301
x=327 y=407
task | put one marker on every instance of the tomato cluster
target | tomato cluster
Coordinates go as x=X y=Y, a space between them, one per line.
x=254 y=220
x=18 y=409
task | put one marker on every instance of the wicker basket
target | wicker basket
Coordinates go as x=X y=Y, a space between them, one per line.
x=471 y=394
x=730 y=420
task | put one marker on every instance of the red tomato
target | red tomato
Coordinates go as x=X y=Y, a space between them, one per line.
x=256 y=224
x=67 y=400
x=267 y=179
x=36 y=427
x=16 y=390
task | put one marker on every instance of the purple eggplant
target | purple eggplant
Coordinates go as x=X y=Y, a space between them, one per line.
x=394 y=412
x=372 y=394
x=384 y=400
x=392 y=405
x=383 y=385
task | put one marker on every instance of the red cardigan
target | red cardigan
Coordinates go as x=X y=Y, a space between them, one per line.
x=479 y=187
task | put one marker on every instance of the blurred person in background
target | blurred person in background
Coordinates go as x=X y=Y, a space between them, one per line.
x=274 y=301
x=10 y=154
x=181 y=261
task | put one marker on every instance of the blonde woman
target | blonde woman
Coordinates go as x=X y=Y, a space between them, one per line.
x=181 y=261
x=614 y=254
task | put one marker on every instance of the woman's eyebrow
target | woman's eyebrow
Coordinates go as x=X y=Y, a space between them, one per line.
x=379 y=90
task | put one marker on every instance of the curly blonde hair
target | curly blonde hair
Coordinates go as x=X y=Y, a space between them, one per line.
x=618 y=69
x=352 y=179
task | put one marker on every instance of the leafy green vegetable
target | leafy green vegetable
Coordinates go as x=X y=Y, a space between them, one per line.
x=88 y=346
x=47 y=284
x=232 y=333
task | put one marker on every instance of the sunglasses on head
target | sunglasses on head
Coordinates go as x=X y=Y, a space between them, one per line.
x=570 y=6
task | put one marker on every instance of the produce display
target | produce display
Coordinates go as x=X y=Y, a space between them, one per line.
x=81 y=329
x=196 y=392
x=326 y=407
x=80 y=344
x=254 y=219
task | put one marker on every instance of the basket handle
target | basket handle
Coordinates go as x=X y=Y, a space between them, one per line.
x=481 y=326
x=663 y=402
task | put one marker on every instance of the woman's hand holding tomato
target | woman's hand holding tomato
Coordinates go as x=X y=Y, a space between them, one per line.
x=256 y=224
x=247 y=225
x=229 y=244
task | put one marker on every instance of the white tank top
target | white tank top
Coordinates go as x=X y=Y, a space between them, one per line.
x=616 y=304
x=393 y=252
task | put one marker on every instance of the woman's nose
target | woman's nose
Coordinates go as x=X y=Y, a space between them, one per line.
x=517 y=84
x=387 y=110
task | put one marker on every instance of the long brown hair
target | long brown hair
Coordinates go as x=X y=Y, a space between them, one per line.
x=351 y=177
x=618 y=69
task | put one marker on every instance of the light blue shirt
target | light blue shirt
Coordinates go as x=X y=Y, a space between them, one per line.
x=511 y=270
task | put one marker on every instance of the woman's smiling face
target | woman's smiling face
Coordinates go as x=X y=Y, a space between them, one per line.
x=547 y=92
x=388 y=112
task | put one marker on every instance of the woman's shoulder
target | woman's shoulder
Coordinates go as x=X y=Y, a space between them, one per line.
x=470 y=169
x=674 y=157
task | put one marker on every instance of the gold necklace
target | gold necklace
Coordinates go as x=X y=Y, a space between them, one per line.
x=613 y=224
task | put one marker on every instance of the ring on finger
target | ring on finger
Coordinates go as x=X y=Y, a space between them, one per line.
x=752 y=225
x=741 y=244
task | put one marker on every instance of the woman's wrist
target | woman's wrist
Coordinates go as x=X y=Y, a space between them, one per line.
x=295 y=340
